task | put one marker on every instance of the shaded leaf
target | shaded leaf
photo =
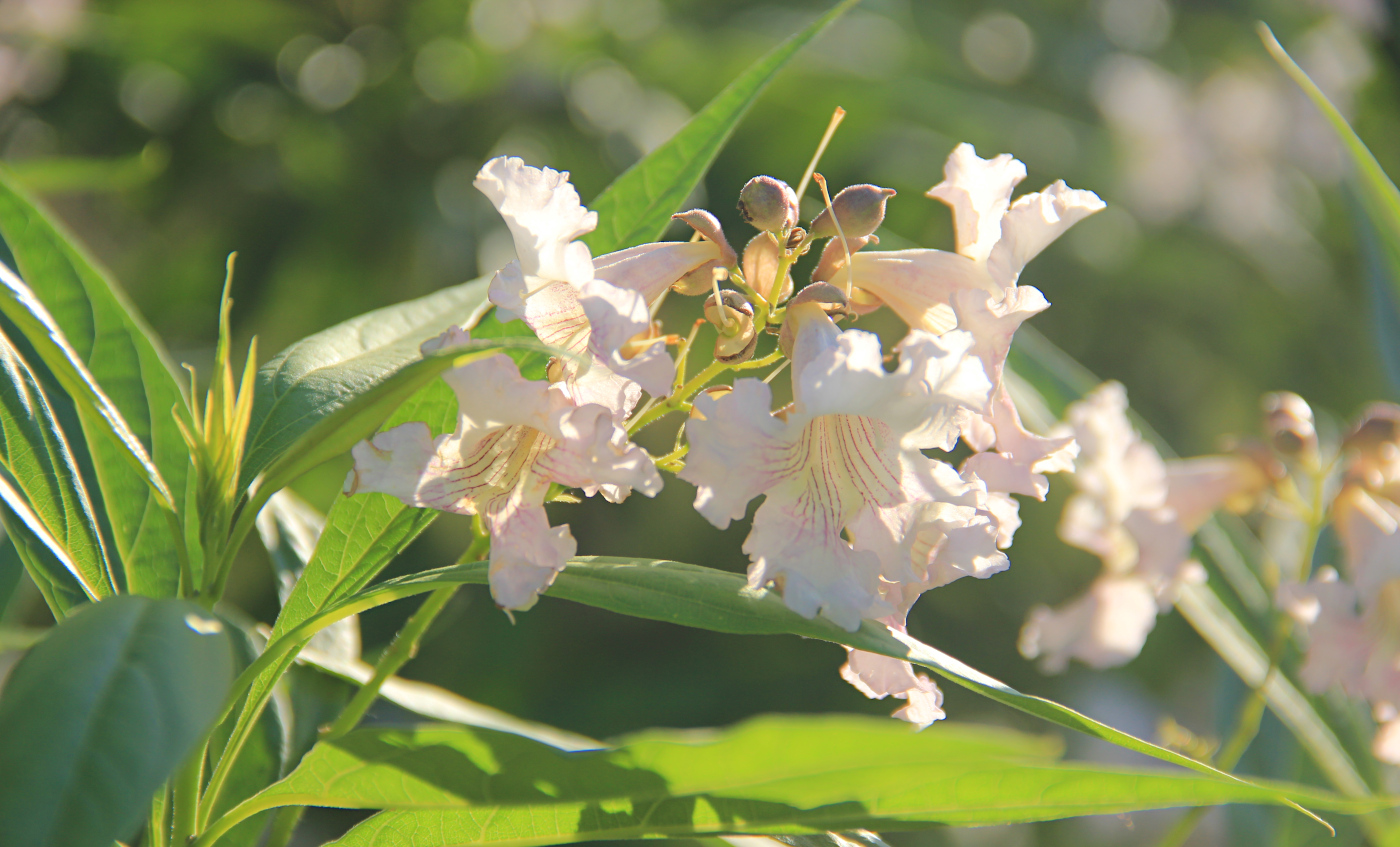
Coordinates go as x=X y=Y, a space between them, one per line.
x=97 y=715
x=772 y=774
x=317 y=375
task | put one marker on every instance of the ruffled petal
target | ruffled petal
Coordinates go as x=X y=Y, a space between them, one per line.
x=593 y=453
x=737 y=448
x=941 y=385
x=545 y=218
x=797 y=543
x=1022 y=458
x=526 y=553
x=615 y=316
x=1339 y=645
x=492 y=394
x=1034 y=221
x=1369 y=529
x=1105 y=627
x=979 y=192
x=993 y=319
x=878 y=677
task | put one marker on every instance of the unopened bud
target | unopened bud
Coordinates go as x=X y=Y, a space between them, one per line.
x=734 y=320
x=859 y=208
x=1289 y=423
x=811 y=302
x=1379 y=425
x=768 y=204
x=796 y=237
x=833 y=257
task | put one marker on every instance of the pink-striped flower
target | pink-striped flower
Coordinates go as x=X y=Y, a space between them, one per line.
x=849 y=442
x=513 y=438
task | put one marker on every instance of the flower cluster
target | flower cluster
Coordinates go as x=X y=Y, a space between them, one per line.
x=856 y=520
x=1351 y=610
x=1137 y=513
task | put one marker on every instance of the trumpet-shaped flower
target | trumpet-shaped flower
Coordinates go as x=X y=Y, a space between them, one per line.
x=573 y=301
x=847 y=443
x=1137 y=513
x=513 y=438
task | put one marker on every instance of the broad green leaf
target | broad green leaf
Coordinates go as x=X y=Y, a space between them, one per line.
x=781 y=774
x=101 y=352
x=1059 y=380
x=706 y=598
x=78 y=173
x=638 y=206
x=39 y=466
x=430 y=701
x=317 y=375
x=55 y=581
x=97 y=715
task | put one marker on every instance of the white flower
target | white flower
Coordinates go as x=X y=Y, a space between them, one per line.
x=572 y=301
x=513 y=438
x=1136 y=513
x=849 y=442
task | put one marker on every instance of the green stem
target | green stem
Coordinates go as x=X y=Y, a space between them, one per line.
x=186 y=798
x=680 y=400
x=403 y=648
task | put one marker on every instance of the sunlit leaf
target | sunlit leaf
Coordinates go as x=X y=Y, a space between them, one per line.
x=638 y=206
x=100 y=712
x=40 y=473
x=773 y=774
x=101 y=353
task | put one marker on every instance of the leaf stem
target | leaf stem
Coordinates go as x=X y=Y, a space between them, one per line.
x=185 y=791
x=403 y=648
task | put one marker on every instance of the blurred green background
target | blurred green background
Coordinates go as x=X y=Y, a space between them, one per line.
x=333 y=145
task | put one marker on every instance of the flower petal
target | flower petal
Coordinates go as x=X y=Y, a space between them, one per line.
x=1105 y=627
x=979 y=192
x=615 y=315
x=526 y=553
x=878 y=677
x=737 y=449
x=651 y=269
x=916 y=284
x=592 y=452
x=545 y=218
x=1034 y=221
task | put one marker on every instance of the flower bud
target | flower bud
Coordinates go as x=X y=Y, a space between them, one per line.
x=833 y=257
x=1289 y=423
x=762 y=258
x=768 y=204
x=859 y=208
x=811 y=302
x=737 y=336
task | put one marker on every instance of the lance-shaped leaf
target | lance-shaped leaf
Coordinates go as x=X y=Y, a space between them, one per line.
x=772 y=774
x=637 y=207
x=41 y=482
x=99 y=714
x=114 y=351
x=290 y=529
x=316 y=376
x=54 y=579
x=716 y=600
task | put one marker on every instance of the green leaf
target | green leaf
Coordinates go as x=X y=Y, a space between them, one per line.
x=1379 y=197
x=430 y=701
x=706 y=598
x=41 y=482
x=97 y=715
x=318 y=375
x=772 y=774
x=102 y=354
x=11 y=569
x=638 y=206
x=290 y=529
x=361 y=536
x=55 y=581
